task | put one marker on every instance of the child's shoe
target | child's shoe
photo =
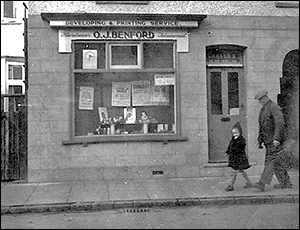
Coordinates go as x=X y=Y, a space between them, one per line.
x=248 y=185
x=260 y=186
x=229 y=188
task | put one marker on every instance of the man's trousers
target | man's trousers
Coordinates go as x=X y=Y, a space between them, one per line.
x=273 y=166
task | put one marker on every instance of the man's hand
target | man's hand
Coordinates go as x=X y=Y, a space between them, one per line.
x=276 y=143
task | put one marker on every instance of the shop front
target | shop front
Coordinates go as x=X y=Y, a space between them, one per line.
x=139 y=96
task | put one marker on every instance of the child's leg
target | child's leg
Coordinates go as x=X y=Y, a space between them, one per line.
x=233 y=173
x=244 y=174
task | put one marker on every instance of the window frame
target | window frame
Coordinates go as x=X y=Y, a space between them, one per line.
x=16 y=82
x=5 y=19
x=86 y=139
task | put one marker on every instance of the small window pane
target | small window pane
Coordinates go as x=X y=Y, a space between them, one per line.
x=158 y=55
x=15 y=72
x=124 y=55
x=15 y=89
x=233 y=91
x=8 y=9
x=216 y=93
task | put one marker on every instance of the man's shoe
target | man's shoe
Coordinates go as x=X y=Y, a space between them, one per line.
x=248 y=185
x=229 y=188
x=283 y=186
x=260 y=186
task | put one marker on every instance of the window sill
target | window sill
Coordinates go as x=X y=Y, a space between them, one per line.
x=165 y=138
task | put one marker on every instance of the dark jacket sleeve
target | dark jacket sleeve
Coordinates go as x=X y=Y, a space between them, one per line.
x=271 y=124
x=278 y=122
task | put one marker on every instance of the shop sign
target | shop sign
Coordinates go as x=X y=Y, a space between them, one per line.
x=123 y=23
x=67 y=35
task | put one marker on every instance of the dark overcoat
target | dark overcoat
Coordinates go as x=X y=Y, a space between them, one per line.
x=237 y=158
x=271 y=124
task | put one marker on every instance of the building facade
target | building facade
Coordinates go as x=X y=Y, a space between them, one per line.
x=151 y=89
x=12 y=47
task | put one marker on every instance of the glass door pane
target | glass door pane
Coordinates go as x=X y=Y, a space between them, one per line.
x=216 y=93
x=233 y=93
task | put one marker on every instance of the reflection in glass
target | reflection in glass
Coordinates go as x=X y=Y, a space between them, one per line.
x=124 y=55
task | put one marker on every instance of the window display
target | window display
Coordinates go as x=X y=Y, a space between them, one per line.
x=125 y=101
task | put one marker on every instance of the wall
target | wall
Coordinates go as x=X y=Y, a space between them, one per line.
x=12 y=39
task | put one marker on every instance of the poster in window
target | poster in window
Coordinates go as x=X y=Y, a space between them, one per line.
x=121 y=92
x=103 y=114
x=160 y=95
x=141 y=93
x=130 y=115
x=86 y=98
x=164 y=79
x=89 y=59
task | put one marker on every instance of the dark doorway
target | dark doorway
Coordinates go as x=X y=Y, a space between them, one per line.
x=288 y=98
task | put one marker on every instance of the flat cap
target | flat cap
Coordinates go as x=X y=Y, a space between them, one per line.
x=260 y=94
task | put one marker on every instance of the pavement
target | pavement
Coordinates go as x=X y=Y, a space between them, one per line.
x=136 y=195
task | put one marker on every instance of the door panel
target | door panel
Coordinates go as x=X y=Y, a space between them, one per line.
x=225 y=108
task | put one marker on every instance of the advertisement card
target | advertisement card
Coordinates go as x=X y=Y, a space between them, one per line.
x=86 y=98
x=89 y=59
x=121 y=92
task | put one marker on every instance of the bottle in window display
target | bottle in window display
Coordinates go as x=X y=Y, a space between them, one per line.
x=145 y=121
x=144 y=117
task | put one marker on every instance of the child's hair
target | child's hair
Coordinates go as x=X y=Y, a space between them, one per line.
x=238 y=127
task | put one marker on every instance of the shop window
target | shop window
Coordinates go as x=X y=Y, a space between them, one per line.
x=130 y=93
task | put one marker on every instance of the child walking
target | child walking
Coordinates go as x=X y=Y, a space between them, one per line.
x=237 y=158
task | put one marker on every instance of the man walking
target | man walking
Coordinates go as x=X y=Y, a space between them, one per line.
x=271 y=135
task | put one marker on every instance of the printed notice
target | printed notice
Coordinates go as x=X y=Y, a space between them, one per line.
x=86 y=98
x=160 y=95
x=164 y=79
x=234 y=111
x=141 y=94
x=89 y=59
x=121 y=92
